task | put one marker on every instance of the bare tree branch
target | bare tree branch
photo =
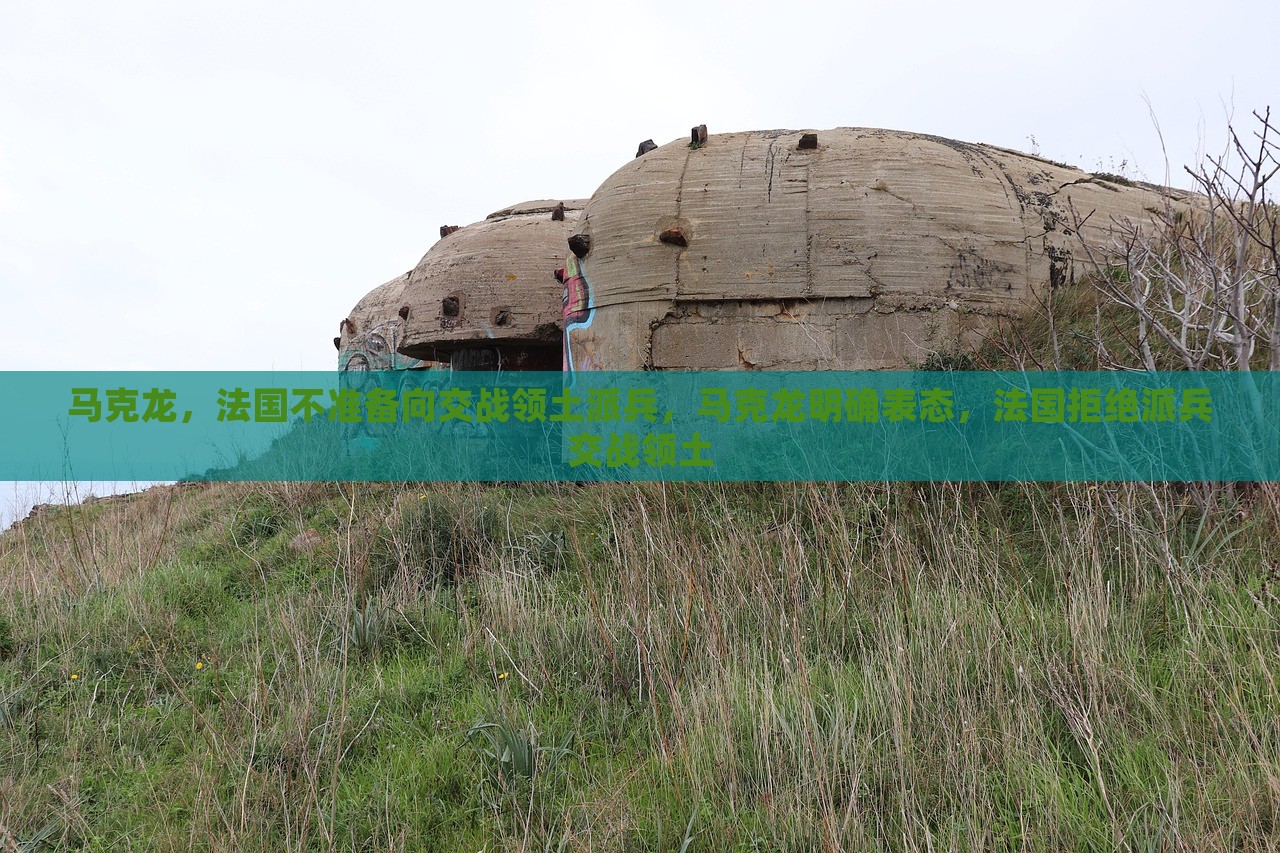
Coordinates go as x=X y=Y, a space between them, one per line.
x=1203 y=281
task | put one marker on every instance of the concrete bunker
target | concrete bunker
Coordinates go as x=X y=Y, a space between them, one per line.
x=846 y=249
x=482 y=298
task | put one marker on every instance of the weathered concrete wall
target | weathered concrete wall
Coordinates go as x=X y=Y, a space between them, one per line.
x=871 y=250
x=830 y=333
x=484 y=296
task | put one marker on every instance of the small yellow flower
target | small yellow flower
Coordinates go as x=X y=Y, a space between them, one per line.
x=199 y=664
x=502 y=675
x=422 y=497
x=75 y=676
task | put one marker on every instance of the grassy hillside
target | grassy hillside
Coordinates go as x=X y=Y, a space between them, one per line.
x=640 y=667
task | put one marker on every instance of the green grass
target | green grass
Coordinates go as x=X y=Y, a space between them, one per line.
x=749 y=667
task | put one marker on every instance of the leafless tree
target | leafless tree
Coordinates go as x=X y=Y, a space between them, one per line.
x=1205 y=280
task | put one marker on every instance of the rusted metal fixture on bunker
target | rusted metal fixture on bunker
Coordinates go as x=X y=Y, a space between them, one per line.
x=846 y=249
x=483 y=297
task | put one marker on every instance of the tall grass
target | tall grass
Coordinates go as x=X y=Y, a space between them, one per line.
x=794 y=667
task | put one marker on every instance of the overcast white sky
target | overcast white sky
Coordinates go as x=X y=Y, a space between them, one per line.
x=213 y=186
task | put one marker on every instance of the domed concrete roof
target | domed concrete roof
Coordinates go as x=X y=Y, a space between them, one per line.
x=490 y=286
x=856 y=248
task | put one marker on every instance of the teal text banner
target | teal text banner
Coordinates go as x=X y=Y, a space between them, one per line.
x=441 y=425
